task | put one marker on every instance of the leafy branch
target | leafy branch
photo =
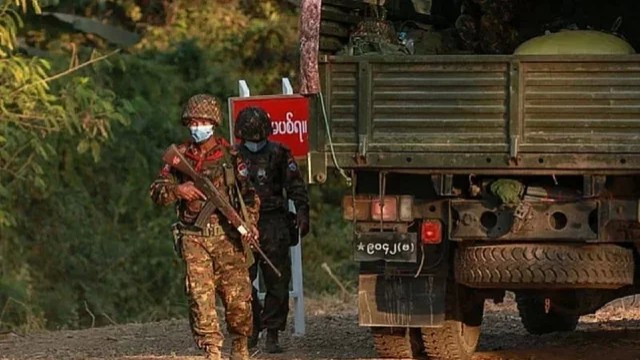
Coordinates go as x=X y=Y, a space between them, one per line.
x=64 y=73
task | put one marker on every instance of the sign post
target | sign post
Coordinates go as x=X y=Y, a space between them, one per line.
x=289 y=122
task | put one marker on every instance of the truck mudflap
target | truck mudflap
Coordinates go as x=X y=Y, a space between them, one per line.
x=404 y=301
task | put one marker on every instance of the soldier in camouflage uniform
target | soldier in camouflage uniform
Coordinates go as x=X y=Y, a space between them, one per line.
x=214 y=257
x=273 y=171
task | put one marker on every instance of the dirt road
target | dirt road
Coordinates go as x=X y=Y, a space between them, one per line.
x=332 y=333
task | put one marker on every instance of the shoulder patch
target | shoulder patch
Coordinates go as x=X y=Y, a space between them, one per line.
x=166 y=170
x=242 y=169
x=293 y=166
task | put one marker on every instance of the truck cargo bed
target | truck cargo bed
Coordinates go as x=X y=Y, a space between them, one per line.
x=566 y=113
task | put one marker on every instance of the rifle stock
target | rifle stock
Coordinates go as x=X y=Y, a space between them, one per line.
x=175 y=159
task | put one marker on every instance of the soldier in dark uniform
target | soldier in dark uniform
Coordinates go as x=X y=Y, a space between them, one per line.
x=275 y=175
x=216 y=262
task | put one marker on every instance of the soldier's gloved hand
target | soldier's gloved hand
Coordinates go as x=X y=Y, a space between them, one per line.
x=302 y=220
x=189 y=191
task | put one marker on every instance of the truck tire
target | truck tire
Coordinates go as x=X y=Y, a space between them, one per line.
x=548 y=266
x=537 y=321
x=397 y=342
x=458 y=337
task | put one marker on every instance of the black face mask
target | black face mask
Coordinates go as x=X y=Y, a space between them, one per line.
x=255 y=146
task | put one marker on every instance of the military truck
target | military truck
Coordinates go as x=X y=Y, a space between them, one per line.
x=474 y=174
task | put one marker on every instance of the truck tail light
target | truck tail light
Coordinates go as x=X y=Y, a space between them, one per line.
x=406 y=208
x=358 y=208
x=369 y=208
x=385 y=210
x=431 y=232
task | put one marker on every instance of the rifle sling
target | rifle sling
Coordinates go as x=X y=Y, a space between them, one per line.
x=243 y=207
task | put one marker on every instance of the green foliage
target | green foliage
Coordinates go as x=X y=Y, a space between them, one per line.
x=81 y=244
x=330 y=240
x=31 y=112
x=38 y=115
x=260 y=48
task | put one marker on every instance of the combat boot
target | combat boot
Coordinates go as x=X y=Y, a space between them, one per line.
x=239 y=349
x=272 y=345
x=212 y=353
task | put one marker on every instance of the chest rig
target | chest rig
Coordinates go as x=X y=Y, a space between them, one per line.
x=266 y=176
x=217 y=166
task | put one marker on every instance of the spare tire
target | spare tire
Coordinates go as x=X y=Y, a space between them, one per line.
x=544 y=266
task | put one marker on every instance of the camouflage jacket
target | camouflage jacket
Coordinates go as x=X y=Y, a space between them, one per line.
x=275 y=174
x=211 y=164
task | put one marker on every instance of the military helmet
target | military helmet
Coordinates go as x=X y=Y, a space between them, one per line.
x=202 y=106
x=253 y=124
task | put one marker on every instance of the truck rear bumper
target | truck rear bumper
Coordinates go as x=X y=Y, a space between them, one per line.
x=587 y=220
x=404 y=301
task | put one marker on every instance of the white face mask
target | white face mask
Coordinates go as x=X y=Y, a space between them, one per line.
x=201 y=133
x=255 y=146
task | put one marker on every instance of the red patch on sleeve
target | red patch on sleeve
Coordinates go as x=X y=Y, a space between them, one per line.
x=166 y=170
x=242 y=170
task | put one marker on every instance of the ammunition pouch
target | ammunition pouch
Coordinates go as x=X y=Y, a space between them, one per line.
x=229 y=175
x=208 y=231
x=180 y=229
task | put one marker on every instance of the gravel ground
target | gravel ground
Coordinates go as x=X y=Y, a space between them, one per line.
x=332 y=333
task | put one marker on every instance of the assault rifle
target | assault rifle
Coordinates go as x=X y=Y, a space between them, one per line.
x=215 y=200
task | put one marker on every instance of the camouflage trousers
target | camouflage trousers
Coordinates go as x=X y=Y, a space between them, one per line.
x=216 y=265
x=274 y=241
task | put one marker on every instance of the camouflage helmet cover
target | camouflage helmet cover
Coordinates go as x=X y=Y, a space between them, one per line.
x=202 y=106
x=253 y=124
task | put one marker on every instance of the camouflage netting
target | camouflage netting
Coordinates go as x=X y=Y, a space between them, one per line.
x=309 y=44
x=375 y=36
x=468 y=26
x=487 y=26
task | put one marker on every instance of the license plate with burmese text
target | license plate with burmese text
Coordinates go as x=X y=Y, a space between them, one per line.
x=387 y=246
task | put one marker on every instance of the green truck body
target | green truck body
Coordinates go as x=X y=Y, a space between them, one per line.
x=559 y=114
x=426 y=136
x=474 y=175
